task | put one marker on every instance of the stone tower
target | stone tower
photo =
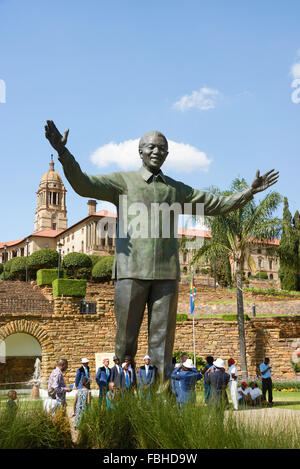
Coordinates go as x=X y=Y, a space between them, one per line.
x=51 y=212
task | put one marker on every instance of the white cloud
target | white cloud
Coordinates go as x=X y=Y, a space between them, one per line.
x=204 y=99
x=295 y=70
x=182 y=157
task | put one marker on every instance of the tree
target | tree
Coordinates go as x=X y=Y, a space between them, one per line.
x=289 y=250
x=233 y=235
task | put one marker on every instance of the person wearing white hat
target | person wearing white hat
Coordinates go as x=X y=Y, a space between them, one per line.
x=128 y=378
x=83 y=371
x=187 y=376
x=218 y=382
x=147 y=374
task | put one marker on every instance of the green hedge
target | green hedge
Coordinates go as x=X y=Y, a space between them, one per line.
x=262 y=275
x=102 y=271
x=181 y=317
x=43 y=259
x=1 y=268
x=94 y=258
x=46 y=276
x=78 y=265
x=18 y=269
x=233 y=317
x=69 y=287
x=279 y=385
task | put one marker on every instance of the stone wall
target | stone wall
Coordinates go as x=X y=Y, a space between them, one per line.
x=71 y=335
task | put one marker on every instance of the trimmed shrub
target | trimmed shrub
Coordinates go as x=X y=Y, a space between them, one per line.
x=46 y=276
x=102 y=271
x=1 y=268
x=94 y=258
x=69 y=287
x=18 y=268
x=181 y=317
x=8 y=265
x=233 y=317
x=43 y=259
x=203 y=271
x=78 y=265
x=262 y=275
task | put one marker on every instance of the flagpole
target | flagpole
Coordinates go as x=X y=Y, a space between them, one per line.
x=193 y=312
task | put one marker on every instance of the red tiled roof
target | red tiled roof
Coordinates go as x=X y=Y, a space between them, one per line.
x=47 y=233
x=194 y=232
x=11 y=243
x=105 y=213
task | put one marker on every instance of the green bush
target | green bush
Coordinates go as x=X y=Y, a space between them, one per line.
x=102 y=271
x=162 y=425
x=261 y=275
x=18 y=268
x=94 y=258
x=43 y=259
x=203 y=271
x=181 y=317
x=1 y=268
x=78 y=265
x=31 y=428
x=8 y=265
x=69 y=287
x=233 y=317
x=46 y=276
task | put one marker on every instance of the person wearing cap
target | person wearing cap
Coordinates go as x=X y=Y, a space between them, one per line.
x=147 y=375
x=233 y=381
x=128 y=378
x=218 y=381
x=243 y=393
x=116 y=372
x=83 y=371
x=102 y=378
x=186 y=375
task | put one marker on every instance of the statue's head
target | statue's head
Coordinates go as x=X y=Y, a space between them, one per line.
x=153 y=149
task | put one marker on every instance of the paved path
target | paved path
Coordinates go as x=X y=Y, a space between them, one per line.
x=74 y=433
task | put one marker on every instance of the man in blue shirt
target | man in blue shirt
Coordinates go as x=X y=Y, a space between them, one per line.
x=83 y=371
x=187 y=376
x=265 y=371
x=103 y=377
x=147 y=374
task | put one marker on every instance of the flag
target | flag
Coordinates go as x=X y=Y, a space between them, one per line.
x=193 y=292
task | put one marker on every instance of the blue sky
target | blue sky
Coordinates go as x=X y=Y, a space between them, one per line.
x=111 y=71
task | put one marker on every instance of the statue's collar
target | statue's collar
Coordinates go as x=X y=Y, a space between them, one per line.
x=147 y=175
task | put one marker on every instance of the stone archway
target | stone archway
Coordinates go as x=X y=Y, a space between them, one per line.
x=38 y=332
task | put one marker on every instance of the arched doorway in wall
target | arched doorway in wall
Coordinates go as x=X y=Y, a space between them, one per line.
x=38 y=342
x=21 y=352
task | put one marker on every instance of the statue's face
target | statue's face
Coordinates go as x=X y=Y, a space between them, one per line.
x=154 y=152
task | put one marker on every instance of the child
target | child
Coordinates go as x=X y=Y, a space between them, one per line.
x=51 y=404
x=12 y=403
x=82 y=399
x=110 y=395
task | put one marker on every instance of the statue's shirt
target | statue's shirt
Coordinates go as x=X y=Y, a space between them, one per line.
x=143 y=249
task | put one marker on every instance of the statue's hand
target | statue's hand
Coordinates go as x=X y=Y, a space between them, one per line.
x=57 y=141
x=262 y=183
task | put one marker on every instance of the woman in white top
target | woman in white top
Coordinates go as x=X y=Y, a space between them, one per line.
x=232 y=371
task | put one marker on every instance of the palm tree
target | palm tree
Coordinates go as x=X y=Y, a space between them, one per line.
x=232 y=235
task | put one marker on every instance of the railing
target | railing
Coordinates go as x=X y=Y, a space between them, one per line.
x=88 y=308
x=26 y=305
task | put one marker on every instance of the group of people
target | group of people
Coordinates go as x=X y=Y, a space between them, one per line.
x=124 y=377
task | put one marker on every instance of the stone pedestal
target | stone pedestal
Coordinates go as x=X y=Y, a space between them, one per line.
x=35 y=393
